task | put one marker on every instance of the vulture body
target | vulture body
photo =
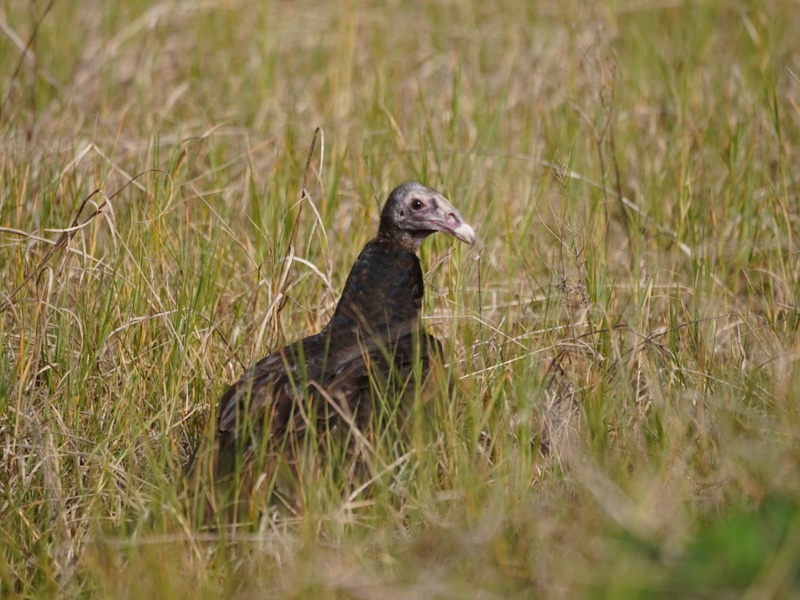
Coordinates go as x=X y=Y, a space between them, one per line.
x=375 y=329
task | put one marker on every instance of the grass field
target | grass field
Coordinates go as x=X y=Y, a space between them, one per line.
x=624 y=339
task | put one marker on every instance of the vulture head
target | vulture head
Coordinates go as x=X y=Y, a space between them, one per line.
x=414 y=211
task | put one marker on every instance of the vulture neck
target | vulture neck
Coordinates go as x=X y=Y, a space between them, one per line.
x=383 y=293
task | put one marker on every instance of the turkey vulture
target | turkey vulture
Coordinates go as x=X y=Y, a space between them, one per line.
x=375 y=329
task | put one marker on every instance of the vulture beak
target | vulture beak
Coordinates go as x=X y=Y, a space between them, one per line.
x=450 y=221
x=465 y=233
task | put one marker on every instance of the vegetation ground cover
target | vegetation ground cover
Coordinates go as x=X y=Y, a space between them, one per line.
x=623 y=341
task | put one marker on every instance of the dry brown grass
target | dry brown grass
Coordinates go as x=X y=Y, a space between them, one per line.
x=624 y=338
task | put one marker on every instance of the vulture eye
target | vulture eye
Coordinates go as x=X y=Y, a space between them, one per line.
x=416 y=204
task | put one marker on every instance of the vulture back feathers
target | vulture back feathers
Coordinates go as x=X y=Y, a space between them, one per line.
x=375 y=329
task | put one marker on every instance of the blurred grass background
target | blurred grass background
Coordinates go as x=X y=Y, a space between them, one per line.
x=625 y=337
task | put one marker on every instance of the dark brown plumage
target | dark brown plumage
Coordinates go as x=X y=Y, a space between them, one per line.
x=375 y=329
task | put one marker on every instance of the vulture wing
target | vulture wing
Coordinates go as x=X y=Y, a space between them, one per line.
x=266 y=397
x=379 y=370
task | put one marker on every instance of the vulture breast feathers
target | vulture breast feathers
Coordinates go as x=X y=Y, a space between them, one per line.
x=373 y=329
